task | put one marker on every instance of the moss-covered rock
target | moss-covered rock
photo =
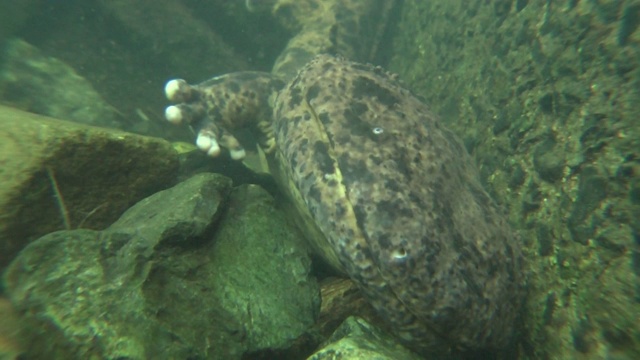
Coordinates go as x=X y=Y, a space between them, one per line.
x=56 y=174
x=196 y=271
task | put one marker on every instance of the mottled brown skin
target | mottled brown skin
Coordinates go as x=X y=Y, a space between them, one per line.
x=230 y=101
x=390 y=196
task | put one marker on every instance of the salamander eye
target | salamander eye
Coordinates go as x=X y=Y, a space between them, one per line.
x=399 y=253
x=377 y=130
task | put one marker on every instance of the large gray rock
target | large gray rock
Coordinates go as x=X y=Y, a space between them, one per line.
x=195 y=271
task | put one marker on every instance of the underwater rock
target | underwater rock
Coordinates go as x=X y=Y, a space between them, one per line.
x=592 y=190
x=548 y=160
x=357 y=339
x=57 y=174
x=341 y=298
x=175 y=277
x=35 y=82
x=571 y=96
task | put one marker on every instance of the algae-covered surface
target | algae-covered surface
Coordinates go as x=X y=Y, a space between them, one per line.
x=546 y=96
